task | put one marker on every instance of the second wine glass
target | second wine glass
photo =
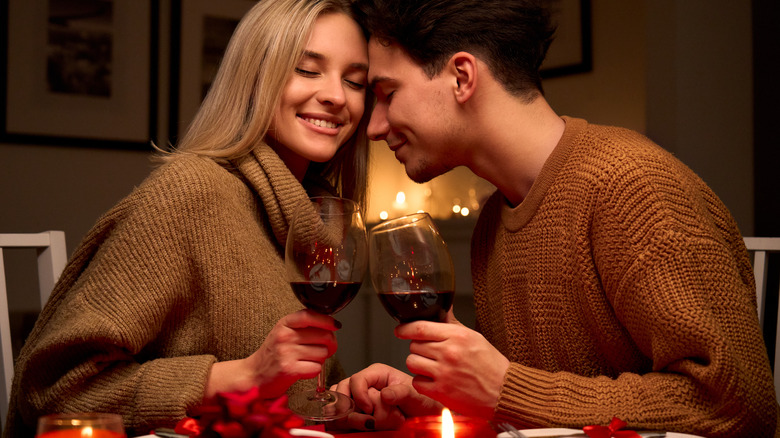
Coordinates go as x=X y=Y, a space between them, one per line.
x=411 y=268
x=326 y=260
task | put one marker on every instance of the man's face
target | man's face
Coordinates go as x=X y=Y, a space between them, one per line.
x=412 y=113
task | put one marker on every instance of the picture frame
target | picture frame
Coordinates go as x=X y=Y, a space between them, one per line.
x=200 y=31
x=73 y=74
x=571 y=51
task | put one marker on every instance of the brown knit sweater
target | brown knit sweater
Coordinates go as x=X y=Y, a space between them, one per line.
x=185 y=271
x=621 y=286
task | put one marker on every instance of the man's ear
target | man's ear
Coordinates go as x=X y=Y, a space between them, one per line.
x=463 y=66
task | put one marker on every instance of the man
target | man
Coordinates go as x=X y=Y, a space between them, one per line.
x=609 y=280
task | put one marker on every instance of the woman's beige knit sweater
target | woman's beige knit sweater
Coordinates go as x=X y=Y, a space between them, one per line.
x=621 y=287
x=185 y=271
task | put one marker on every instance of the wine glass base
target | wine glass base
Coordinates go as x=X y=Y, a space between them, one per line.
x=320 y=406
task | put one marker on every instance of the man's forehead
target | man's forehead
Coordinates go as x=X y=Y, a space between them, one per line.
x=383 y=60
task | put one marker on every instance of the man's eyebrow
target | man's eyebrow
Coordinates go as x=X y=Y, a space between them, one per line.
x=378 y=79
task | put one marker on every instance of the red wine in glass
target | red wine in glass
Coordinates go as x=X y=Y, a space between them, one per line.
x=328 y=297
x=408 y=306
x=411 y=268
x=326 y=260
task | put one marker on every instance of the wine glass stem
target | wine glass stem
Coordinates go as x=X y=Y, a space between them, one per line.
x=321 y=381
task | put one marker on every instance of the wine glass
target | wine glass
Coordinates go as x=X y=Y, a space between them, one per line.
x=95 y=425
x=411 y=269
x=326 y=260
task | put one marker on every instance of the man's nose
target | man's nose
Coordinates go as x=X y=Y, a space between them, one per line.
x=378 y=126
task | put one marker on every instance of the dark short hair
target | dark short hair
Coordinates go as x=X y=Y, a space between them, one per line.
x=510 y=36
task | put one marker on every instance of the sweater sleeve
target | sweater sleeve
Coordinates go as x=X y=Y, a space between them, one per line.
x=129 y=282
x=709 y=373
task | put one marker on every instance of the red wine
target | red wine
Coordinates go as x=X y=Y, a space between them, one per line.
x=325 y=297
x=408 y=306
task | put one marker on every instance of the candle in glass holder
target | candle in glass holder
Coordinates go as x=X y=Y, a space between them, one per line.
x=446 y=426
x=82 y=425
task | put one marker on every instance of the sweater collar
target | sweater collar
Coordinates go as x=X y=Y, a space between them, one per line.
x=278 y=190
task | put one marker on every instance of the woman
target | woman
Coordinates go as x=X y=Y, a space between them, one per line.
x=178 y=292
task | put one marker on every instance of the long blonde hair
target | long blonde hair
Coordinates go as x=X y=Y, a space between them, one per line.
x=238 y=109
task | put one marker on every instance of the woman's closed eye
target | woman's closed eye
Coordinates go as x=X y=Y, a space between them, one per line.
x=355 y=84
x=306 y=73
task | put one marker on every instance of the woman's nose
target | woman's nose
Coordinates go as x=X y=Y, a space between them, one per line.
x=332 y=92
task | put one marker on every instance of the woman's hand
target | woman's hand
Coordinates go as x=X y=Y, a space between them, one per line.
x=384 y=398
x=295 y=349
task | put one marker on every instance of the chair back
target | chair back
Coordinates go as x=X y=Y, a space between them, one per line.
x=52 y=257
x=760 y=248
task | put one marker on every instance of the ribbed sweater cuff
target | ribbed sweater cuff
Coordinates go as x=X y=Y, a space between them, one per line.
x=521 y=394
x=170 y=383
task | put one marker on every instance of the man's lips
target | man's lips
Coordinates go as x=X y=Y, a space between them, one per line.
x=396 y=146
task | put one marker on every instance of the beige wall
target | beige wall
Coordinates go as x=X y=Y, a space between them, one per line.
x=705 y=117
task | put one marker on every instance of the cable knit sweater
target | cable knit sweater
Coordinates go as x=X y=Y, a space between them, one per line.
x=185 y=271
x=621 y=286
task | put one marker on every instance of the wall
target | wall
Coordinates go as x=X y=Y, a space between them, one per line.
x=700 y=93
x=67 y=188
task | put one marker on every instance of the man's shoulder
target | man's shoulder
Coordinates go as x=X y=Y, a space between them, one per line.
x=623 y=147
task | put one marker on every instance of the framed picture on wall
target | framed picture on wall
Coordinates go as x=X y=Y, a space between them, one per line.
x=79 y=72
x=200 y=32
x=571 y=50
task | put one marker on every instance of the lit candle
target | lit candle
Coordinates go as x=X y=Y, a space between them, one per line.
x=86 y=432
x=446 y=426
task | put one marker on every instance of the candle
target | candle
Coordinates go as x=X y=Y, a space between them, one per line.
x=81 y=425
x=446 y=426
x=86 y=432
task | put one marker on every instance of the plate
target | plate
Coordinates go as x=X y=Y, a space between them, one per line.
x=538 y=433
x=294 y=432
x=310 y=433
x=577 y=433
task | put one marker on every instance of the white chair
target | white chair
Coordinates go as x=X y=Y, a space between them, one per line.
x=52 y=257
x=760 y=247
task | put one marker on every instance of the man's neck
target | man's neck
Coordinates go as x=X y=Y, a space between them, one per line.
x=513 y=141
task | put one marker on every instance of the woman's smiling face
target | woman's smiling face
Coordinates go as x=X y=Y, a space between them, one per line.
x=323 y=101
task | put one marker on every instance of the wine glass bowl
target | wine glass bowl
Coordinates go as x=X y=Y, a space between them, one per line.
x=326 y=259
x=411 y=268
x=78 y=425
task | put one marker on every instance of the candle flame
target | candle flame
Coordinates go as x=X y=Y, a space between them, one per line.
x=86 y=432
x=447 y=425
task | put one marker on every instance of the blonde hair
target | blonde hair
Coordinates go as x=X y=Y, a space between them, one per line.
x=237 y=111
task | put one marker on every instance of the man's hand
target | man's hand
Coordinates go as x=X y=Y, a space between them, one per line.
x=454 y=365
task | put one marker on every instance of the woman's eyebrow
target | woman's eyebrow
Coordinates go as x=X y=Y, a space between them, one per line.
x=318 y=56
x=315 y=55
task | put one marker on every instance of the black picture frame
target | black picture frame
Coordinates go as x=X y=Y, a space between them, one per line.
x=571 y=51
x=200 y=31
x=44 y=102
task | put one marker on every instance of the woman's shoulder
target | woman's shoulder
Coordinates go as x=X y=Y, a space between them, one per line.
x=184 y=185
x=191 y=168
x=192 y=174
